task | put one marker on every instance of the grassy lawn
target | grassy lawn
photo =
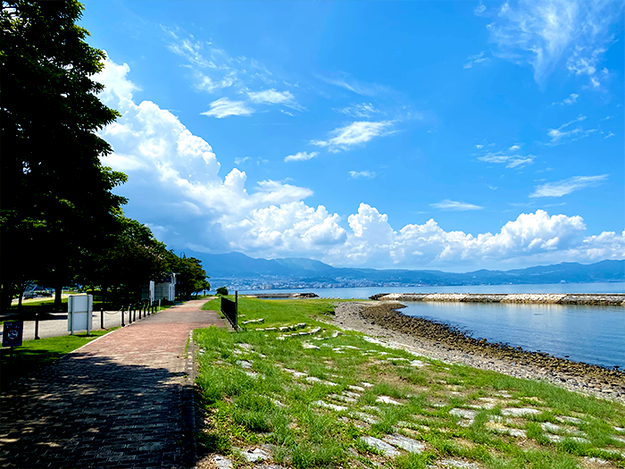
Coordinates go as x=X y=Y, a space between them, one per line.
x=332 y=399
x=34 y=354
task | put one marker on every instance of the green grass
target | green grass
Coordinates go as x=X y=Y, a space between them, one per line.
x=253 y=394
x=34 y=354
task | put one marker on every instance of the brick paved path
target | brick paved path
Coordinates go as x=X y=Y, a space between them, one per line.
x=124 y=400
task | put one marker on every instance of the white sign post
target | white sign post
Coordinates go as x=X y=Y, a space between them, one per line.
x=79 y=309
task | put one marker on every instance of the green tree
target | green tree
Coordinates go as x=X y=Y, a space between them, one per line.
x=132 y=259
x=191 y=277
x=57 y=200
x=222 y=291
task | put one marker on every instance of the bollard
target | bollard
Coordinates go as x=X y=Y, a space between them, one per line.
x=129 y=314
x=101 y=317
x=36 y=326
x=123 y=317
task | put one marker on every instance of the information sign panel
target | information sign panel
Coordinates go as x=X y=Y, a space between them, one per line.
x=12 y=333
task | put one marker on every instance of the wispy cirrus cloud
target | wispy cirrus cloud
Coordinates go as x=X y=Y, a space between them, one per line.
x=355 y=86
x=453 y=205
x=571 y=99
x=364 y=110
x=546 y=33
x=223 y=107
x=566 y=186
x=566 y=134
x=354 y=134
x=271 y=97
x=301 y=156
x=510 y=157
x=366 y=174
x=477 y=59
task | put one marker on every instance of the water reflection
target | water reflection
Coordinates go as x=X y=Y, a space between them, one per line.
x=591 y=334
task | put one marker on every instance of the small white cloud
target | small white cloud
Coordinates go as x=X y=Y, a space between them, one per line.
x=271 y=97
x=223 y=107
x=356 y=133
x=301 y=156
x=287 y=113
x=571 y=99
x=611 y=134
x=453 y=205
x=514 y=148
x=479 y=146
x=566 y=186
x=241 y=160
x=362 y=174
x=478 y=10
x=473 y=60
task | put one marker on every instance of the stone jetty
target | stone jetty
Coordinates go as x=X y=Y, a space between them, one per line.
x=610 y=299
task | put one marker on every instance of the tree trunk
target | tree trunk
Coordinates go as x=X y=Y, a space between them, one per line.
x=58 y=299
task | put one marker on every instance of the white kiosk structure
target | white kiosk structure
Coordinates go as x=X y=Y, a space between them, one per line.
x=79 y=309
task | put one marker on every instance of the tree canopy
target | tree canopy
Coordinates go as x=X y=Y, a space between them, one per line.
x=60 y=219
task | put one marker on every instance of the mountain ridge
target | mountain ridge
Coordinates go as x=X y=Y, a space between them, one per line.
x=238 y=265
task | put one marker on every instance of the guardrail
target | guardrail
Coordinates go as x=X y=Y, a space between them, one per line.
x=230 y=309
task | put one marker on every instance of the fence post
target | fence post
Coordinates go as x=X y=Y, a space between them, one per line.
x=101 y=317
x=129 y=314
x=123 y=316
x=236 y=310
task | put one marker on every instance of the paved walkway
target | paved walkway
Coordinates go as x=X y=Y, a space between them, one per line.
x=124 y=400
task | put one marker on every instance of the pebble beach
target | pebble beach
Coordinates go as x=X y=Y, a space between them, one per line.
x=381 y=319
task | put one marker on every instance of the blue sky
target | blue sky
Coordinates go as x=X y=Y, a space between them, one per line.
x=448 y=135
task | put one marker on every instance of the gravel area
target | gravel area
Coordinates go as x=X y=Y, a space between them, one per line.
x=381 y=320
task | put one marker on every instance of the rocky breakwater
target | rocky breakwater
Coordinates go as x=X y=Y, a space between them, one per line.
x=453 y=345
x=599 y=299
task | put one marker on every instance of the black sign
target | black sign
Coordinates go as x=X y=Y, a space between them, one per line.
x=12 y=334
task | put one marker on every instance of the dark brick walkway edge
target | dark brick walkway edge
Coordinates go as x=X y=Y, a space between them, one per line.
x=125 y=400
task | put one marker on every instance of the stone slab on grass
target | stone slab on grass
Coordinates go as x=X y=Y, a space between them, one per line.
x=400 y=441
x=519 y=411
x=380 y=445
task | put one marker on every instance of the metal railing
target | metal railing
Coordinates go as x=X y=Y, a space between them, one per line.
x=230 y=309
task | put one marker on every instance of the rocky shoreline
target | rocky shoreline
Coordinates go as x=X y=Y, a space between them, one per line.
x=442 y=342
x=596 y=299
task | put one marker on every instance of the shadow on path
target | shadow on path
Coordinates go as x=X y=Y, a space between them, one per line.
x=91 y=411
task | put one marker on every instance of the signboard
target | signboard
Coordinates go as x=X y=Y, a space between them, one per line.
x=79 y=308
x=12 y=333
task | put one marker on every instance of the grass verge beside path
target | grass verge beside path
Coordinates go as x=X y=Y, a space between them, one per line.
x=34 y=354
x=316 y=396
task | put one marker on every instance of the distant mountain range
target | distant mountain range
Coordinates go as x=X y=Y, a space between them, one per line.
x=301 y=272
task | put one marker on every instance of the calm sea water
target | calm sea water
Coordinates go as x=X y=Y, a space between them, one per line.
x=590 y=334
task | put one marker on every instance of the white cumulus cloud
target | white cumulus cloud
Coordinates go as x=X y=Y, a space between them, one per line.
x=175 y=186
